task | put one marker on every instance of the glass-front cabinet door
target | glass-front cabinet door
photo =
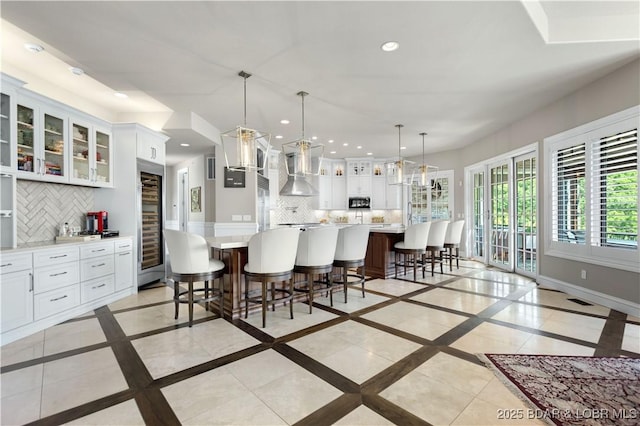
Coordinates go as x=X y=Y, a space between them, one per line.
x=81 y=155
x=5 y=131
x=54 y=141
x=103 y=167
x=27 y=162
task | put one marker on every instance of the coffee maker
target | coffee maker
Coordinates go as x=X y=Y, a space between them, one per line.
x=97 y=222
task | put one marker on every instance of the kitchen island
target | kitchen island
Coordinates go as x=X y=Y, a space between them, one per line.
x=233 y=251
x=380 y=258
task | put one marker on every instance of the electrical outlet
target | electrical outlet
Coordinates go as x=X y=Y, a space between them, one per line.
x=246 y=218
x=583 y=274
x=236 y=217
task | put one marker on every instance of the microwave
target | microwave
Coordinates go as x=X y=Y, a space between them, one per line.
x=359 y=202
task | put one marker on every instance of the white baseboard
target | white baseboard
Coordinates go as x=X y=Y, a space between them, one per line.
x=612 y=302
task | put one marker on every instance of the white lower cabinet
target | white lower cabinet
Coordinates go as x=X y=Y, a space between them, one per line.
x=123 y=262
x=56 y=301
x=45 y=286
x=96 y=288
x=17 y=299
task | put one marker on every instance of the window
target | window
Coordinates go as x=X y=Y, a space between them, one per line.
x=592 y=183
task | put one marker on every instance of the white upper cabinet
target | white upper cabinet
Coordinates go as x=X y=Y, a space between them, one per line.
x=150 y=148
x=92 y=154
x=41 y=140
x=8 y=87
x=359 y=177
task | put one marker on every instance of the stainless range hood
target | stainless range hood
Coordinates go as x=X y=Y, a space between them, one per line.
x=297 y=185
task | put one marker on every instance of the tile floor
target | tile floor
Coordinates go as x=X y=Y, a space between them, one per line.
x=404 y=354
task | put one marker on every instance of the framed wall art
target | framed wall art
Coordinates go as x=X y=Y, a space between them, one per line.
x=196 y=199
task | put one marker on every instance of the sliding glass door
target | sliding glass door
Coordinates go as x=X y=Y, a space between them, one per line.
x=477 y=223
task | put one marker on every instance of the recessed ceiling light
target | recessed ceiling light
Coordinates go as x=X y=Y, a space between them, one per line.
x=314 y=138
x=278 y=136
x=184 y=144
x=284 y=121
x=32 y=47
x=76 y=70
x=369 y=153
x=345 y=144
x=330 y=141
x=359 y=146
x=121 y=95
x=390 y=46
x=403 y=147
x=332 y=152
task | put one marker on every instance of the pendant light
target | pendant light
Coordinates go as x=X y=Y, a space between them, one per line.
x=299 y=153
x=397 y=169
x=301 y=159
x=423 y=169
x=247 y=142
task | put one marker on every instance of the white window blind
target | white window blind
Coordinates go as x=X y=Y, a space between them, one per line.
x=568 y=180
x=614 y=191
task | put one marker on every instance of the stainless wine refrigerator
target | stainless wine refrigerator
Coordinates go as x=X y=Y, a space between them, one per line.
x=151 y=223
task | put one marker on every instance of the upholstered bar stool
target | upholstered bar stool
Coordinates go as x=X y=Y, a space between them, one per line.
x=351 y=248
x=272 y=255
x=452 y=241
x=190 y=263
x=412 y=248
x=316 y=250
x=435 y=243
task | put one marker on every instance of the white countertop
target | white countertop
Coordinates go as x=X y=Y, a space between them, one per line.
x=229 y=242
x=51 y=244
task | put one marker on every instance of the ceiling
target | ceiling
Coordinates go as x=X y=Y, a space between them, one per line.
x=463 y=69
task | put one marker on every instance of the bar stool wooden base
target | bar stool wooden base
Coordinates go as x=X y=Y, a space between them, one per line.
x=268 y=298
x=411 y=258
x=345 y=265
x=311 y=286
x=193 y=295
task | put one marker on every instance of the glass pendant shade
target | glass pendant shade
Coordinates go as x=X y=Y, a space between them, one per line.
x=397 y=170
x=247 y=142
x=423 y=169
x=301 y=152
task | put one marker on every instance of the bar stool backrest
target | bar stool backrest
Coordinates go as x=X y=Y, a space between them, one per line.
x=416 y=236
x=273 y=251
x=454 y=232
x=188 y=253
x=317 y=246
x=437 y=233
x=352 y=242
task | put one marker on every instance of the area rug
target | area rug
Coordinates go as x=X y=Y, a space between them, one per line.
x=570 y=390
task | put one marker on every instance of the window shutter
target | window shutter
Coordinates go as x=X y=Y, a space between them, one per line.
x=614 y=190
x=568 y=200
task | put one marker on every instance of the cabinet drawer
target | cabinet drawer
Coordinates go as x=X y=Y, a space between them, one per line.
x=15 y=262
x=55 y=301
x=123 y=246
x=96 y=267
x=55 y=256
x=56 y=276
x=95 y=289
x=97 y=249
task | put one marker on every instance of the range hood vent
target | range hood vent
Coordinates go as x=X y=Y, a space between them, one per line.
x=297 y=184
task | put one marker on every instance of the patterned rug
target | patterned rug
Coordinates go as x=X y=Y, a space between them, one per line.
x=570 y=390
